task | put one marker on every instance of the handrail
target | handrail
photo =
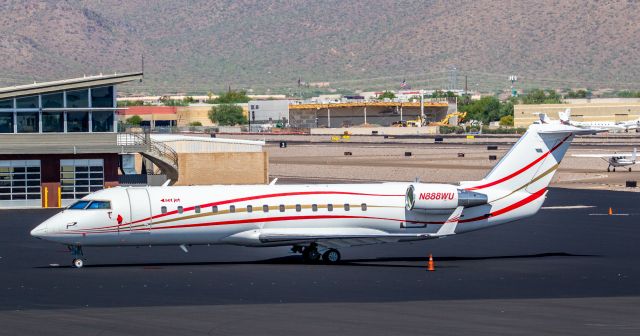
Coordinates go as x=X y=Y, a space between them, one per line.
x=157 y=148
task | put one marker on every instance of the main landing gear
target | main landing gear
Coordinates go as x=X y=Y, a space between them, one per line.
x=77 y=253
x=311 y=254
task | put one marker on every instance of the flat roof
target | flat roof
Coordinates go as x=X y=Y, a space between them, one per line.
x=68 y=84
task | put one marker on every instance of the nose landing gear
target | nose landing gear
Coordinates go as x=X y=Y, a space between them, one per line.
x=76 y=252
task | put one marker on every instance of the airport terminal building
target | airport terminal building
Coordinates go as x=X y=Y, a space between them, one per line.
x=59 y=139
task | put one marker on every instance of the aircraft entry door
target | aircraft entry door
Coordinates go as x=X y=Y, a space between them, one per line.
x=140 y=210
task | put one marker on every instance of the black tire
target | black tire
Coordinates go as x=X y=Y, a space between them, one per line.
x=331 y=256
x=77 y=263
x=311 y=254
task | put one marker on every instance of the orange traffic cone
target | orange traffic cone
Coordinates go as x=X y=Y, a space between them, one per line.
x=610 y=211
x=431 y=266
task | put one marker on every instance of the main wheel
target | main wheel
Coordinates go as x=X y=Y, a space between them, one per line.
x=614 y=168
x=629 y=168
x=332 y=256
x=78 y=263
x=311 y=254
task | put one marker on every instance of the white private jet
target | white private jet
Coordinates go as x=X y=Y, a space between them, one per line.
x=615 y=159
x=565 y=118
x=315 y=220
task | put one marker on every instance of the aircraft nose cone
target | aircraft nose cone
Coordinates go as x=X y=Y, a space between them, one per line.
x=39 y=231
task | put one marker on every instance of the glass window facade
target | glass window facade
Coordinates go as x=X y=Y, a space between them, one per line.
x=53 y=122
x=28 y=122
x=20 y=180
x=102 y=96
x=78 y=98
x=7 y=103
x=78 y=121
x=59 y=112
x=78 y=178
x=102 y=121
x=53 y=100
x=6 y=122
x=28 y=102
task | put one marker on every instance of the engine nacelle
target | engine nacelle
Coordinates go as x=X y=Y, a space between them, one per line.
x=441 y=197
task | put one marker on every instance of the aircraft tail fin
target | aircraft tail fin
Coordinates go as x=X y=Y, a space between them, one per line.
x=565 y=116
x=531 y=163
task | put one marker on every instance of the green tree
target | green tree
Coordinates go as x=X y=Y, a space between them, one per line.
x=578 y=94
x=628 y=94
x=195 y=123
x=506 y=120
x=227 y=115
x=232 y=97
x=487 y=109
x=134 y=120
x=124 y=103
x=442 y=94
x=387 y=94
x=538 y=96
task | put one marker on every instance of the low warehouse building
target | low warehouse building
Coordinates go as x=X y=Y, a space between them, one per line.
x=596 y=110
x=203 y=160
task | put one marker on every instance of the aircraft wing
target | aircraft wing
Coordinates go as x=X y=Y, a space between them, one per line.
x=339 y=237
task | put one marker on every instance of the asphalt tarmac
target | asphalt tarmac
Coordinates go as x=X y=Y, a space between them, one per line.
x=567 y=270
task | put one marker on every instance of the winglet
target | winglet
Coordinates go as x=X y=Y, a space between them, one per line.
x=166 y=183
x=634 y=156
x=449 y=227
x=273 y=182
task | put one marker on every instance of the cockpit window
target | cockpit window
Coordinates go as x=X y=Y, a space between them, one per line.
x=79 y=205
x=99 y=205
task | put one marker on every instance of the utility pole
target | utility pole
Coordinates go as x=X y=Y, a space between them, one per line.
x=465 y=85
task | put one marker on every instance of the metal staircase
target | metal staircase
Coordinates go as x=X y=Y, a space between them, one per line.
x=161 y=155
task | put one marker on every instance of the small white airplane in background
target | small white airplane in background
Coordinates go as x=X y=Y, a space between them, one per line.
x=615 y=159
x=565 y=118
x=315 y=220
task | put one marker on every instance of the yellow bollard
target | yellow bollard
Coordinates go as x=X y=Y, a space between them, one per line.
x=46 y=197
x=59 y=197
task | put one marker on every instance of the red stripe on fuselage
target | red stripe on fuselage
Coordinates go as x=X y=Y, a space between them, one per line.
x=521 y=170
x=249 y=198
x=506 y=209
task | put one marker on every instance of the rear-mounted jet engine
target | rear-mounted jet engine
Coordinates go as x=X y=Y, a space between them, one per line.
x=441 y=197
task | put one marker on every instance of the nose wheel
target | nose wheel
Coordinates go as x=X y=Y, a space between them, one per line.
x=78 y=263
x=77 y=253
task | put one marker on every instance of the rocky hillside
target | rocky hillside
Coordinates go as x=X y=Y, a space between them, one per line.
x=200 y=45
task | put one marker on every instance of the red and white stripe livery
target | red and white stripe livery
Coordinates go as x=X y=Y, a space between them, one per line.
x=315 y=218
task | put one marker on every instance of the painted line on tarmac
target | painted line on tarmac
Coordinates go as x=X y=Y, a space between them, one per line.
x=568 y=207
x=606 y=214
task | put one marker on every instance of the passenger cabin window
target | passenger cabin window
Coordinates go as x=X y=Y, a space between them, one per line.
x=282 y=207
x=329 y=207
x=314 y=207
x=249 y=208
x=265 y=208
x=180 y=209
x=363 y=206
x=163 y=209
x=99 y=205
x=346 y=207
x=214 y=208
x=197 y=209
x=79 y=205
x=298 y=207
x=232 y=208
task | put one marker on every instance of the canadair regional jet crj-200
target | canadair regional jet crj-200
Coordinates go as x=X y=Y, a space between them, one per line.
x=315 y=219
